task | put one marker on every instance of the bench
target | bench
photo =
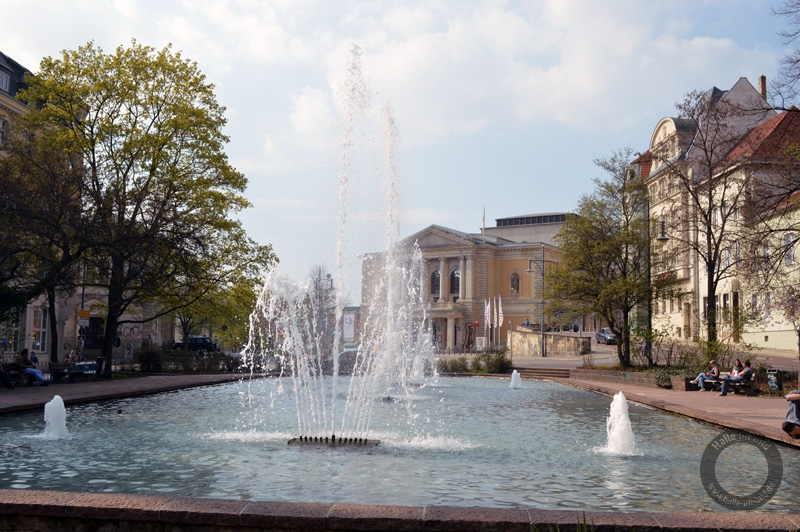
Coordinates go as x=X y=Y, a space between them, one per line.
x=748 y=386
x=65 y=371
x=21 y=378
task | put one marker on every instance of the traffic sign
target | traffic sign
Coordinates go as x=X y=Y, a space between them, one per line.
x=84 y=314
x=83 y=322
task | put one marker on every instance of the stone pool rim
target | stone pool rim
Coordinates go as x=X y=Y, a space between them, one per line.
x=53 y=510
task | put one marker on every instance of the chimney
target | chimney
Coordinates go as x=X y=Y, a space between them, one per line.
x=762 y=86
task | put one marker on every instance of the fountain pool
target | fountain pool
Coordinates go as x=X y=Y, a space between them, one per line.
x=457 y=442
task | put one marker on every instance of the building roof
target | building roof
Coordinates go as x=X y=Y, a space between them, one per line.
x=15 y=71
x=777 y=138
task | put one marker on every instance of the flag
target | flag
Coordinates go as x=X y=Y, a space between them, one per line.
x=495 y=314
x=483 y=225
x=487 y=314
x=500 y=302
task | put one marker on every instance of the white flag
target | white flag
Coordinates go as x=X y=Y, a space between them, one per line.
x=487 y=314
x=495 y=314
x=500 y=301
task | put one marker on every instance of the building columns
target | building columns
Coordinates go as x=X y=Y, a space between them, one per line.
x=462 y=267
x=451 y=333
x=467 y=279
x=443 y=278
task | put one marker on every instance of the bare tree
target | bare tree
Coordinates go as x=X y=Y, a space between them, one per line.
x=698 y=190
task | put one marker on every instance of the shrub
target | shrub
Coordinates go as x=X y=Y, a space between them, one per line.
x=497 y=362
x=150 y=360
x=662 y=379
x=459 y=365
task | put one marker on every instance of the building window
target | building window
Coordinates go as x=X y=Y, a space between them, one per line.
x=737 y=252
x=767 y=304
x=39 y=330
x=5 y=82
x=455 y=282
x=514 y=284
x=789 y=242
x=435 y=282
x=3 y=131
x=726 y=306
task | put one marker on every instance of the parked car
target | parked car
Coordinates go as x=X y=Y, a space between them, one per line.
x=197 y=343
x=605 y=336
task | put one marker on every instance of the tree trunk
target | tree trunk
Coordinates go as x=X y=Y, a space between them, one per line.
x=115 y=303
x=51 y=316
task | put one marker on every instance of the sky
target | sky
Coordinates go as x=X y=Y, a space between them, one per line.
x=495 y=107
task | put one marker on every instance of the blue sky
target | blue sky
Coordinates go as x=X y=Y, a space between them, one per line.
x=502 y=104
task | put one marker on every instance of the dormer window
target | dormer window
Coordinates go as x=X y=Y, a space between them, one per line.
x=5 y=82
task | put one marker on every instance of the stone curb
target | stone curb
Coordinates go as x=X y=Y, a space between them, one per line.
x=55 y=510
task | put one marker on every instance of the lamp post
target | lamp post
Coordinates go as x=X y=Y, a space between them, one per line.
x=540 y=264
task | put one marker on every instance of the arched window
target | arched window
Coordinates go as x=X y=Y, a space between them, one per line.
x=455 y=282
x=514 y=284
x=435 y=282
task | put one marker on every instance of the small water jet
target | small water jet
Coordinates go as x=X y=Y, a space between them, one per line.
x=621 y=440
x=516 y=380
x=55 y=419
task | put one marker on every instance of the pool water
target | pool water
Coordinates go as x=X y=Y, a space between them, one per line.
x=456 y=442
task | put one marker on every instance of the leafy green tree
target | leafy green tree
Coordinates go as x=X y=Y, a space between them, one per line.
x=227 y=301
x=604 y=267
x=42 y=224
x=147 y=128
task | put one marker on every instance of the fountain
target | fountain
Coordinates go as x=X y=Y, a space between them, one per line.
x=291 y=321
x=621 y=440
x=516 y=380
x=55 y=419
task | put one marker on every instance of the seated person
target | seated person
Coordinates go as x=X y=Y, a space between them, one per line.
x=26 y=366
x=745 y=375
x=791 y=424
x=712 y=374
x=737 y=368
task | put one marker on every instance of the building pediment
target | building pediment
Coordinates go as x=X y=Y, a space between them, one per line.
x=434 y=236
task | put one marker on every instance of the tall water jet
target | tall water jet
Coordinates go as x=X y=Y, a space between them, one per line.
x=55 y=419
x=516 y=380
x=621 y=440
x=393 y=344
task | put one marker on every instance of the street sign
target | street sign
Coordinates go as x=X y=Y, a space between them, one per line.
x=84 y=314
x=83 y=322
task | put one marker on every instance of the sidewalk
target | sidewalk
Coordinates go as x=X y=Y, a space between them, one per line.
x=761 y=416
x=35 y=397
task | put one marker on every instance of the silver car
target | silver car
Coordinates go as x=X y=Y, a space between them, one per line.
x=605 y=336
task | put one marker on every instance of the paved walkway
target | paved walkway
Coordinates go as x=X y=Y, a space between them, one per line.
x=761 y=416
x=35 y=397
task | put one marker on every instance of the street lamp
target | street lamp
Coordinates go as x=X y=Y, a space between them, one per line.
x=540 y=264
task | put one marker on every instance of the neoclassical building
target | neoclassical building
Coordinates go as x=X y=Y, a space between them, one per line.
x=463 y=271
